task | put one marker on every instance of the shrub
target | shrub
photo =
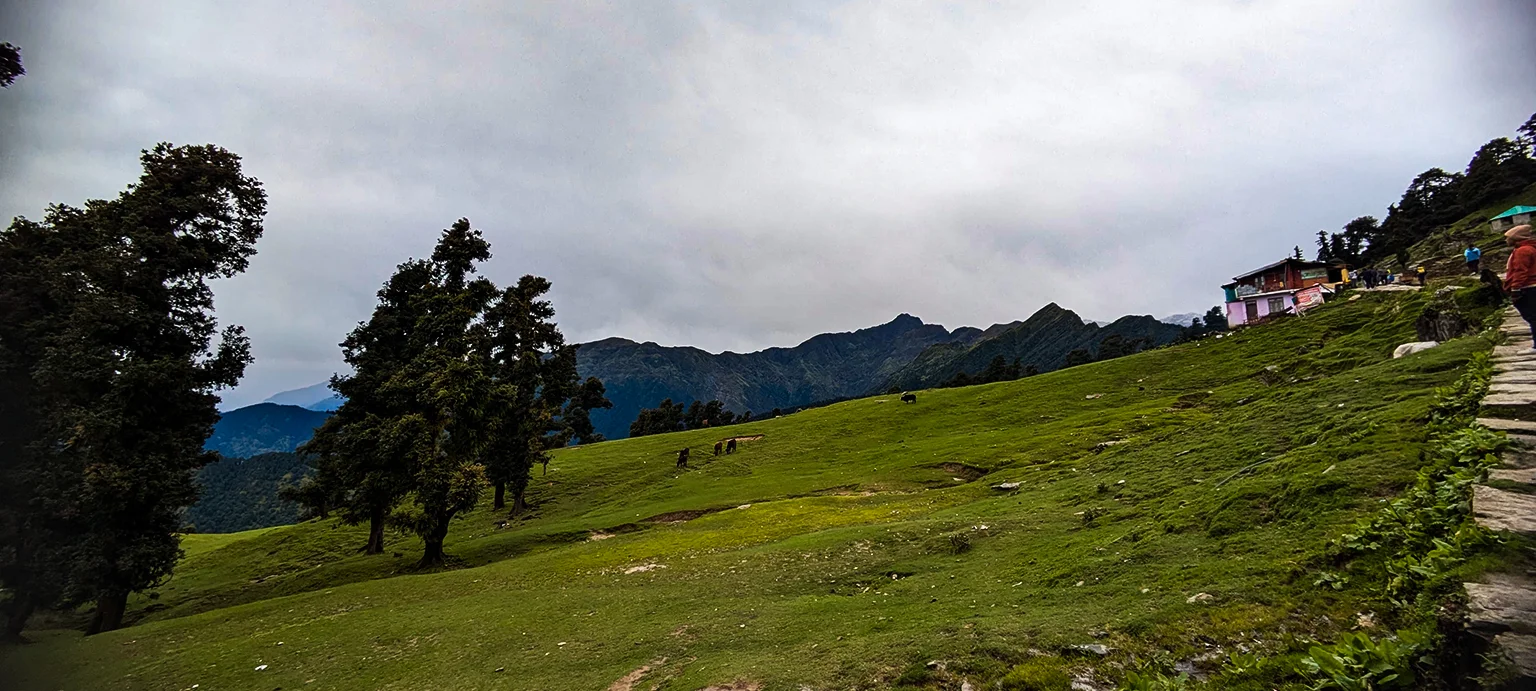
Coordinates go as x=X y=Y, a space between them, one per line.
x=1037 y=674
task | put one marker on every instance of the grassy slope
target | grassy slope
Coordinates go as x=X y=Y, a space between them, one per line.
x=1442 y=249
x=838 y=574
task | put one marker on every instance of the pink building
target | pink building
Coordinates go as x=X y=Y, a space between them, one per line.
x=1271 y=290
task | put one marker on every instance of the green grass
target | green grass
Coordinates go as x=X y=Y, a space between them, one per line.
x=850 y=545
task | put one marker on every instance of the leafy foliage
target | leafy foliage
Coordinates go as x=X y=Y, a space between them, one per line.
x=1357 y=663
x=10 y=64
x=109 y=341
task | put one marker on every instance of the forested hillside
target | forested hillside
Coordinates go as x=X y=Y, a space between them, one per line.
x=1044 y=341
x=263 y=428
x=242 y=493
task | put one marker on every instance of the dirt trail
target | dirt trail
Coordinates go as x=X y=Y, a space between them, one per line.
x=627 y=682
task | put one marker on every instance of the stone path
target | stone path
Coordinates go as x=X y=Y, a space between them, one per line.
x=1503 y=608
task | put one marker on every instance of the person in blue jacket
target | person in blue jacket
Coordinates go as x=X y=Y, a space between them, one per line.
x=1473 y=255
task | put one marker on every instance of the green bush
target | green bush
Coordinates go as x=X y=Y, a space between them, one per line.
x=1356 y=663
x=1037 y=674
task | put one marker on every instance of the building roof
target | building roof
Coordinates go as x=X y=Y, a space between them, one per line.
x=1515 y=211
x=1288 y=260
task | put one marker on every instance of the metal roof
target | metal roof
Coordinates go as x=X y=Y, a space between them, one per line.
x=1515 y=211
x=1267 y=267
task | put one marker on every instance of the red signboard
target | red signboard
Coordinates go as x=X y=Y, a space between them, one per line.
x=1309 y=298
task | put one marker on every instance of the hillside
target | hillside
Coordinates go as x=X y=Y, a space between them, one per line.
x=263 y=428
x=1170 y=506
x=241 y=493
x=1441 y=251
x=1043 y=340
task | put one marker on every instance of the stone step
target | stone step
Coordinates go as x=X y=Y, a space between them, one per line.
x=1507 y=351
x=1512 y=406
x=1521 y=365
x=1496 y=509
x=1516 y=376
x=1522 y=475
x=1520 y=650
x=1503 y=425
x=1518 y=458
x=1505 y=604
x=1522 y=440
x=1505 y=387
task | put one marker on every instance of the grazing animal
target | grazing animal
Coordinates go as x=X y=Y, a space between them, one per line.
x=717 y=448
x=909 y=398
x=730 y=447
x=682 y=458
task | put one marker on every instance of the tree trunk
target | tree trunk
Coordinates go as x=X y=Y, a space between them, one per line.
x=375 y=531
x=519 y=504
x=109 y=612
x=16 y=619
x=501 y=495
x=432 y=554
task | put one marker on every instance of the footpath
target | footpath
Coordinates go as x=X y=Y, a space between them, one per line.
x=1503 y=607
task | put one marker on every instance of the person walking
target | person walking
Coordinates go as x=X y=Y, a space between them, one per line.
x=1520 y=273
x=1418 y=272
x=1473 y=255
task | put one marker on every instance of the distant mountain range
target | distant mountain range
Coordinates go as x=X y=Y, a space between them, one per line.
x=1044 y=340
x=904 y=353
x=316 y=397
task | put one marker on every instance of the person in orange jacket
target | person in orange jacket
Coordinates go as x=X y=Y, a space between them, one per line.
x=1520 y=273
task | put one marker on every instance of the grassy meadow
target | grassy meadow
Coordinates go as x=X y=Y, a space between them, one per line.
x=1168 y=506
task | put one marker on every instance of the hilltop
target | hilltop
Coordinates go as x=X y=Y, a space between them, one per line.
x=1169 y=505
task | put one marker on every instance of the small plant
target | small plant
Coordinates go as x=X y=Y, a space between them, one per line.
x=1331 y=580
x=1154 y=681
x=1239 y=664
x=1357 y=663
x=1092 y=514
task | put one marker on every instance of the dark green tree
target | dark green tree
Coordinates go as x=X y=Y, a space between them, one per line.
x=665 y=417
x=1324 y=247
x=1215 y=319
x=541 y=401
x=1499 y=169
x=1078 y=356
x=124 y=383
x=364 y=466
x=10 y=64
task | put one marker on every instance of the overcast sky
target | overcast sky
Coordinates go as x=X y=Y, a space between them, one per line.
x=747 y=174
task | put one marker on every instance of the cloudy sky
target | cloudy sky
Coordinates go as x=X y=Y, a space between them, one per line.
x=746 y=174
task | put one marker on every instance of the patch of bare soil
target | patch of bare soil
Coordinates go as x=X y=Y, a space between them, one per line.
x=753 y=437
x=736 y=686
x=627 y=682
x=680 y=516
x=963 y=471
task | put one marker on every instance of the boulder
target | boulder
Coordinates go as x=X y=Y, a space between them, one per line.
x=1411 y=348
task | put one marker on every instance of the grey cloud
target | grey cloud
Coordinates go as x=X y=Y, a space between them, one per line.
x=739 y=175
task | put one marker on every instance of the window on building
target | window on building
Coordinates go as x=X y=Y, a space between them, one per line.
x=1276 y=305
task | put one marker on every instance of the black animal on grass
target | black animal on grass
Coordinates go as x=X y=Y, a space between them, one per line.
x=730 y=447
x=909 y=398
x=682 y=458
x=717 y=448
